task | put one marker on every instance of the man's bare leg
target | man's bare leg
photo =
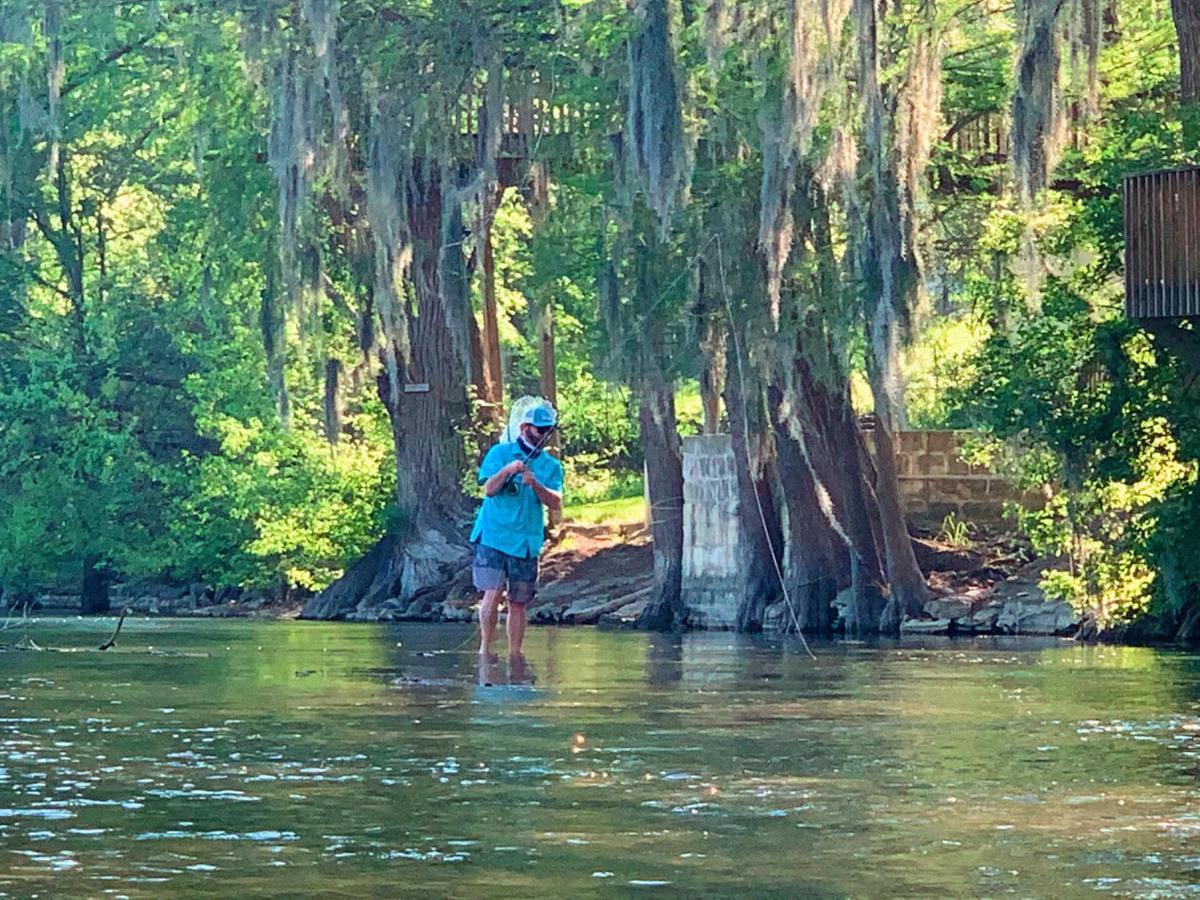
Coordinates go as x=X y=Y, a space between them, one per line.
x=516 y=627
x=489 y=610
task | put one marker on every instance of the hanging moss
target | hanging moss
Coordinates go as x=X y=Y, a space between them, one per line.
x=659 y=149
x=56 y=70
x=388 y=157
x=807 y=76
x=1084 y=36
x=918 y=117
x=322 y=17
x=716 y=32
x=291 y=150
x=1037 y=121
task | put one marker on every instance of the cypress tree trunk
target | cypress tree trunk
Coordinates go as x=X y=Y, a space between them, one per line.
x=664 y=477
x=836 y=529
x=490 y=377
x=888 y=272
x=548 y=383
x=428 y=414
x=431 y=406
x=1187 y=25
x=712 y=374
x=814 y=567
x=761 y=534
x=94 y=595
x=333 y=400
x=906 y=584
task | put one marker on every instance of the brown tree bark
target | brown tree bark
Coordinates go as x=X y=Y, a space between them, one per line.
x=837 y=525
x=428 y=414
x=907 y=590
x=333 y=400
x=548 y=384
x=762 y=538
x=815 y=566
x=431 y=407
x=491 y=378
x=887 y=269
x=664 y=481
x=1187 y=25
x=712 y=373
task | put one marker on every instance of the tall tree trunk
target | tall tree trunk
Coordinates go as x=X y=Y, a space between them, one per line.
x=333 y=400
x=888 y=272
x=820 y=422
x=907 y=589
x=94 y=594
x=712 y=373
x=428 y=411
x=432 y=404
x=487 y=418
x=752 y=451
x=814 y=565
x=270 y=321
x=1187 y=25
x=492 y=379
x=548 y=383
x=664 y=482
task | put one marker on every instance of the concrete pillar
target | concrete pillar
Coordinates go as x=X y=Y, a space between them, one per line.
x=712 y=537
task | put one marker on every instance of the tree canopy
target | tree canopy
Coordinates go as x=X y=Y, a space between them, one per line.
x=268 y=274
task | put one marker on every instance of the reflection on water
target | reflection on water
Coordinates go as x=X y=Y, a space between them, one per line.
x=270 y=758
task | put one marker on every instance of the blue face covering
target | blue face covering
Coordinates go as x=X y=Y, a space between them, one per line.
x=529 y=451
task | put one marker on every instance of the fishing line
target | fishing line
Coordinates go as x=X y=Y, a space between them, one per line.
x=737 y=349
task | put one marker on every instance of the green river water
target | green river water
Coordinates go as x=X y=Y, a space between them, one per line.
x=239 y=758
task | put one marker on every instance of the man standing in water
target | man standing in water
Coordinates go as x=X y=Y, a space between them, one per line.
x=518 y=479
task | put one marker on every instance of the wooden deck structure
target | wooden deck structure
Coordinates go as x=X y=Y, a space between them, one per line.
x=1162 y=244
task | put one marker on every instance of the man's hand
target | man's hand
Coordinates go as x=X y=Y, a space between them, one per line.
x=528 y=477
x=496 y=483
x=549 y=498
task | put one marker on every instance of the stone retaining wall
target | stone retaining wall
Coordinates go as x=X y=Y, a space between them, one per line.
x=935 y=482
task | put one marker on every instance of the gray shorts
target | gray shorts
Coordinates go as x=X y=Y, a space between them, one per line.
x=491 y=569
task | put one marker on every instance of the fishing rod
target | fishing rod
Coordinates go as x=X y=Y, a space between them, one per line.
x=534 y=450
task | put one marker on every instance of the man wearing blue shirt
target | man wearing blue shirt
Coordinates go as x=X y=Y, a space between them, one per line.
x=518 y=479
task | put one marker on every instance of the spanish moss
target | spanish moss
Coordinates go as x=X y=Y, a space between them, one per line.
x=291 y=150
x=1084 y=38
x=1037 y=115
x=388 y=162
x=660 y=153
x=56 y=70
x=322 y=16
x=808 y=75
x=918 y=118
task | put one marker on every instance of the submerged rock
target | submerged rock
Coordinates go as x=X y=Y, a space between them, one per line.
x=1033 y=617
x=952 y=608
x=925 y=626
x=1021 y=607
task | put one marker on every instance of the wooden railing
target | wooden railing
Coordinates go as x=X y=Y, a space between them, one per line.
x=1162 y=244
x=528 y=114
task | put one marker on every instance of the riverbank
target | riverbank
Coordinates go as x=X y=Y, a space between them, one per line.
x=602 y=574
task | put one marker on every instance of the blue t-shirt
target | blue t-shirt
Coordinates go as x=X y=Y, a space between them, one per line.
x=512 y=521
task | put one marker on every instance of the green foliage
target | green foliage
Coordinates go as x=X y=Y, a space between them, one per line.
x=955 y=531
x=274 y=506
x=1081 y=405
x=139 y=389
